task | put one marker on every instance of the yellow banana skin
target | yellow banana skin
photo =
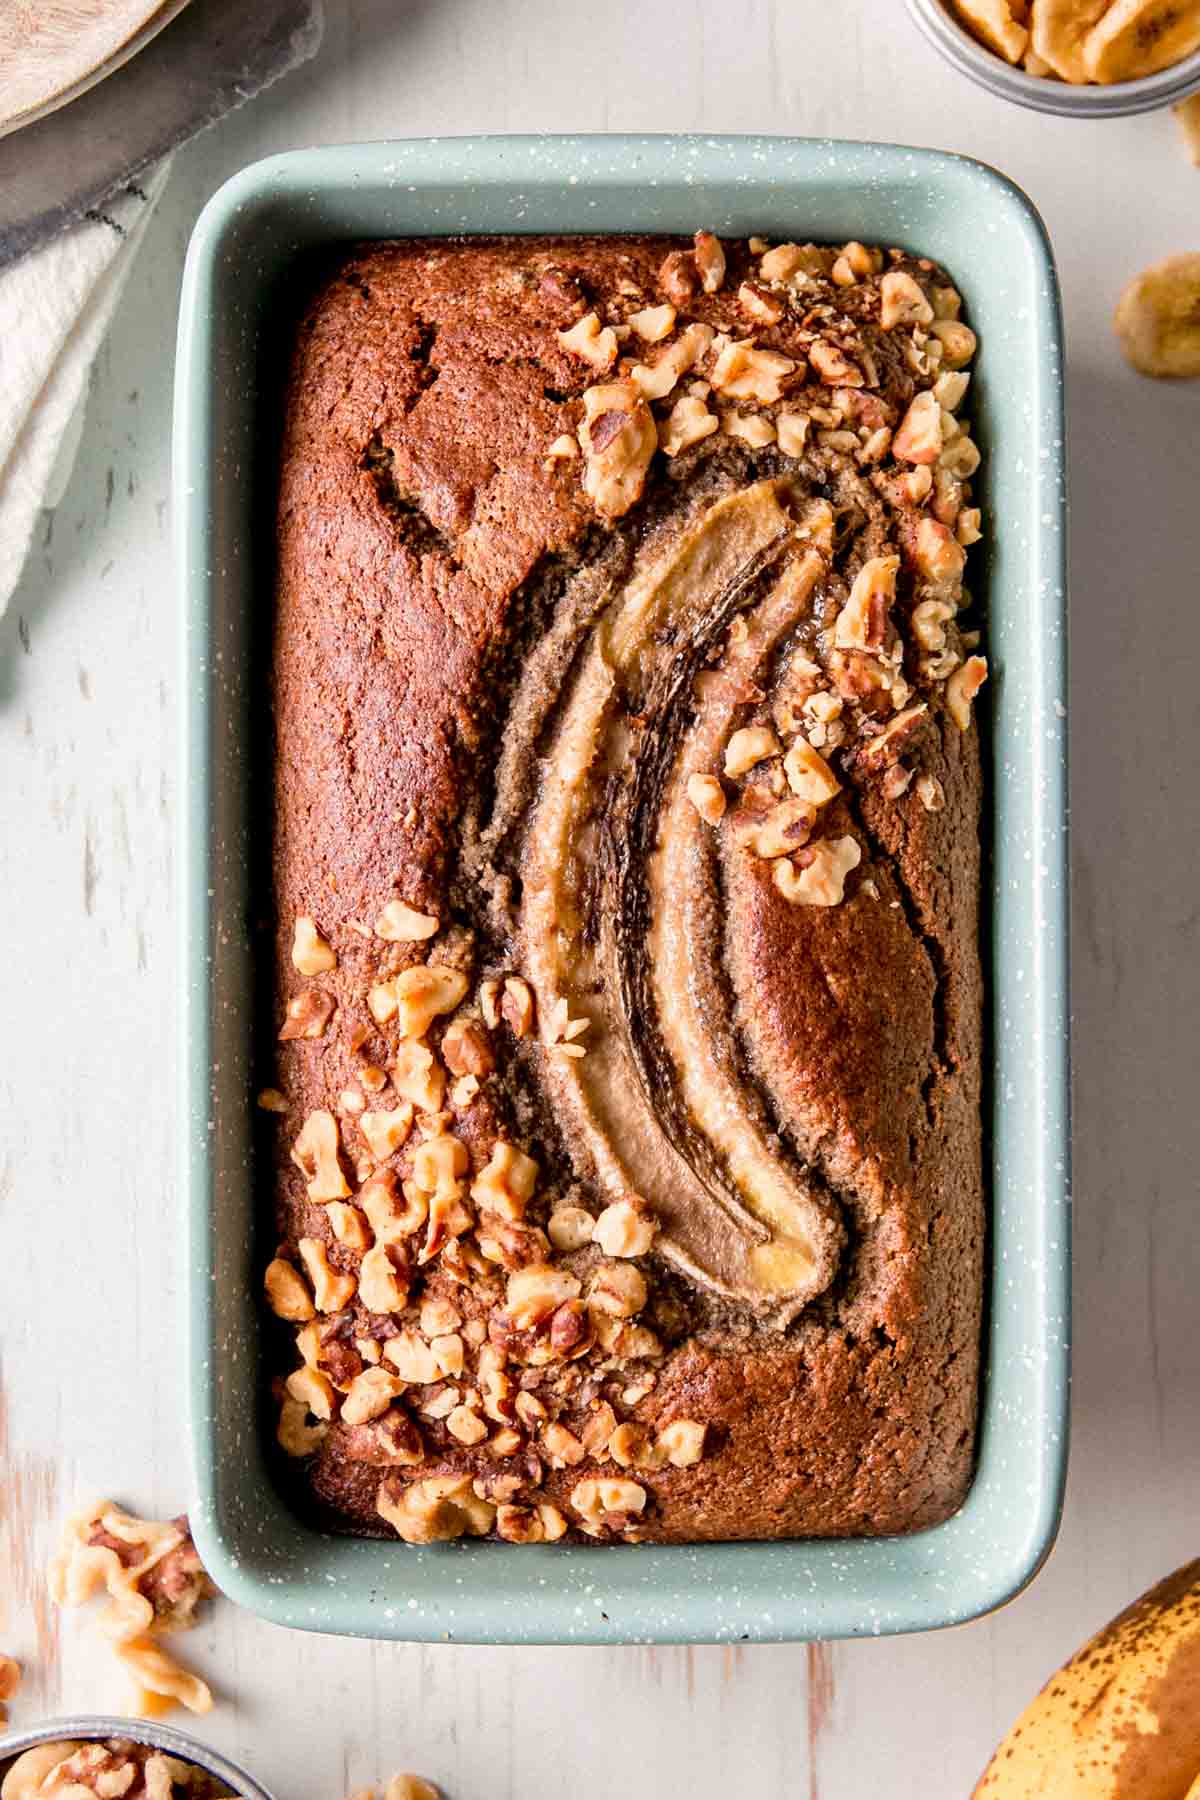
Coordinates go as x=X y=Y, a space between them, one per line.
x=1121 y=1720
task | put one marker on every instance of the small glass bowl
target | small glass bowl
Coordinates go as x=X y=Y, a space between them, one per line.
x=1115 y=101
x=96 y=1727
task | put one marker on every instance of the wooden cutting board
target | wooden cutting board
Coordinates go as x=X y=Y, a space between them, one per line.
x=52 y=50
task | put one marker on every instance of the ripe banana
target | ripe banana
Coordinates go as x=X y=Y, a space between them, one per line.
x=1158 y=317
x=1139 y=37
x=995 y=24
x=1059 y=29
x=1121 y=1720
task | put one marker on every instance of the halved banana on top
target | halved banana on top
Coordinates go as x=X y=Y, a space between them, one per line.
x=993 y=22
x=1140 y=37
x=1059 y=30
x=1158 y=318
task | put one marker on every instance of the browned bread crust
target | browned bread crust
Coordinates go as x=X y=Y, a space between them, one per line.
x=440 y=580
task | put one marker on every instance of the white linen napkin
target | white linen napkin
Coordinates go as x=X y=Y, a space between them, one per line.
x=55 y=307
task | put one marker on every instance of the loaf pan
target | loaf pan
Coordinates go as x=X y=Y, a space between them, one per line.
x=245 y=250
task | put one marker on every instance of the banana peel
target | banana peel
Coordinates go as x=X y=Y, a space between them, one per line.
x=1121 y=1720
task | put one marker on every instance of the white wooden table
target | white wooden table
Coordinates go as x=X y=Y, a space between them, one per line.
x=90 y=1287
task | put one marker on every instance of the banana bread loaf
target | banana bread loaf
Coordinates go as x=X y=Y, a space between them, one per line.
x=626 y=853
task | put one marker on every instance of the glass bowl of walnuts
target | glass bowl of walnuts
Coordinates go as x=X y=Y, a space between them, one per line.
x=1091 y=59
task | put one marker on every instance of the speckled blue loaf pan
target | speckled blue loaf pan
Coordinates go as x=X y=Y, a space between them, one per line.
x=992 y=241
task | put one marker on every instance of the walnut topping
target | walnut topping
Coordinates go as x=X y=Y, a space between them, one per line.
x=311 y=954
x=919 y=438
x=287 y=1295
x=423 y=993
x=862 y=622
x=565 y=448
x=780 y=831
x=786 y=261
x=570 y=1227
x=563 y=1448
x=881 y=751
x=791 y=428
x=708 y=797
x=936 y=553
x=467 y=1049
x=657 y=381
x=271 y=1100
x=418 y=1076
x=750 y=745
x=383 y=1279
x=489 y=1001
x=331 y=1289
x=619 y=439
x=682 y=1441
x=466 y=1426
x=751 y=428
x=313 y=1389
x=587 y=340
x=386 y=1132
x=542 y=1524
x=678 y=277
x=710 y=261
x=601 y=1501
x=950 y=391
x=626 y=1228
x=315 y=1154
x=439 y=1164
x=536 y=1292
x=401 y=924
x=372 y=1079
x=822 y=879
x=307 y=1015
x=617 y=1288
x=412 y=1358
x=808 y=774
x=688 y=422
x=743 y=373
x=968 y=531
x=815 y=526
x=962 y=688
x=894 y=783
x=369 y=1396
x=834 y=367
x=929 y=620
x=517 y=1006
x=436 y=1510
x=958 y=342
x=931 y=793
x=631 y=1447
x=653 y=323
x=960 y=458
x=903 y=301
x=759 y=304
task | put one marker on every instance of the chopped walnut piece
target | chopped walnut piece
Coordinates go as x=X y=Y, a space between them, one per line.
x=678 y=277
x=833 y=367
x=759 y=304
x=423 y=993
x=311 y=954
x=505 y=1442
x=440 y=1163
x=750 y=745
x=314 y=1389
x=449 y=1354
x=271 y=1100
x=331 y=1289
x=929 y=620
x=565 y=448
x=617 y=1288
x=656 y=381
x=682 y=1441
x=709 y=258
x=439 y=1315
x=653 y=323
x=822 y=879
x=791 y=428
x=381 y=1002
x=563 y=1448
x=536 y=1292
x=808 y=774
x=401 y=924
x=919 y=438
x=570 y=1228
x=10 y=1680
x=895 y=782
x=962 y=688
x=467 y=1049
x=742 y=372
x=412 y=1358
x=619 y=438
x=489 y=1001
x=383 y=1279
x=958 y=342
x=386 y=1132
x=293 y=1433
x=903 y=301
x=597 y=1499
x=708 y=797
x=516 y=1006
x=968 y=531
x=626 y=1228
x=931 y=793
x=881 y=751
x=780 y=831
x=950 y=391
x=389 y=1222
x=449 y=1218
x=435 y=1510
x=936 y=553
x=373 y=1080
x=315 y=1154
x=466 y=1426
x=862 y=622
x=631 y=1447
x=815 y=526
x=688 y=422
x=751 y=428
x=307 y=1015
x=529 y=1409
x=786 y=260
x=159 y=1678
x=506 y=1183
x=592 y=344
x=369 y=1396
x=287 y=1295
x=542 y=1524
x=418 y=1076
